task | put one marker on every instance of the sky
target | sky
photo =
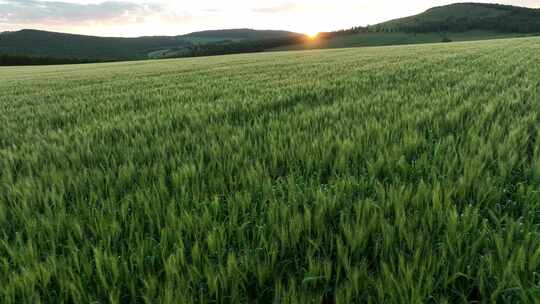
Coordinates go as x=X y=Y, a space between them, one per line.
x=131 y=18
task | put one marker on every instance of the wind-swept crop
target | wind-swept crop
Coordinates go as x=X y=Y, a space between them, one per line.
x=382 y=175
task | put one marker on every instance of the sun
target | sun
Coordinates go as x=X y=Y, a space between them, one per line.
x=312 y=35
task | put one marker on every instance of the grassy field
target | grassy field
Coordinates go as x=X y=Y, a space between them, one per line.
x=405 y=174
x=396 y=38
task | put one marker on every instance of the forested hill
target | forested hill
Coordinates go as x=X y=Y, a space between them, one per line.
x=62 y=45
x=466 y=17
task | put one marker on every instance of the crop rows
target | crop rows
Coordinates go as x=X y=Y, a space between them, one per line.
x=380 y=175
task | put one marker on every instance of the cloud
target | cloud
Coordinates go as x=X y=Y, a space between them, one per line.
x=308 y=7
x=301 y=6
x=286 y=7
x=47 y=12
x=213 y=10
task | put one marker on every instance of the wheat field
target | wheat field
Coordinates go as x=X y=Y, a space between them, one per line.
x=405 y=174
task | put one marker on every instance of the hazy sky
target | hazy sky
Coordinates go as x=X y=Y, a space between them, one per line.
x=162 y=17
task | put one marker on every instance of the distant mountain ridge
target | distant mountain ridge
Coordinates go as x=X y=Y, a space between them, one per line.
x=243 y=33
x=62 y=45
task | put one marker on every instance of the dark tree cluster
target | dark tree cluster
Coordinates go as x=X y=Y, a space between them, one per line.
x=350 y=31
x=345 y=32
x=11 y=60
x=230 y=47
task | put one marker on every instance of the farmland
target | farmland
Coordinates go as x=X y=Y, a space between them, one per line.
x=400 y=174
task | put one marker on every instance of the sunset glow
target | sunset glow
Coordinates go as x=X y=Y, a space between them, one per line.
x=312 y=35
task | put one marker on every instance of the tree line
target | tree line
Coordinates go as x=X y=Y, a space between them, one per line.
x=515 y=25
x=13 y=60
x=230 y=47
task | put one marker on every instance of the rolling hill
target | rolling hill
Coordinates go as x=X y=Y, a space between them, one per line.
x=238 y=35
x=455 y=22
x=462 y=17
x=51 y=44
x=61 y=45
